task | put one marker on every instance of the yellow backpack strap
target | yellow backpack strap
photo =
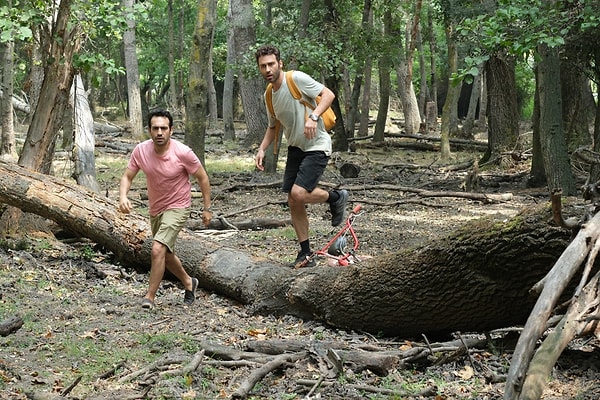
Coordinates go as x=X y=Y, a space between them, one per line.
x=269 y=99
x=295 y=91
x=292 y=85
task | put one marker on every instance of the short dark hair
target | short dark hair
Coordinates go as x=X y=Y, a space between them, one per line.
x=160 y=113
x=267 y=50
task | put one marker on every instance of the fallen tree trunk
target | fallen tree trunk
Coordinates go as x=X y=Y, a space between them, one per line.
x=477 y=279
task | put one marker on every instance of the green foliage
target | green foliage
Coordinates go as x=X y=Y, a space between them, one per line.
x=520 y=26
x=16 y=22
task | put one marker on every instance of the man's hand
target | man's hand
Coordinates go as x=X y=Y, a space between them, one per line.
x=310 y=129
x=124 y=205
x=259 y=160
x=206 y=217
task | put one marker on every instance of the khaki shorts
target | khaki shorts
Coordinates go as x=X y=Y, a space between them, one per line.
x=166 y=226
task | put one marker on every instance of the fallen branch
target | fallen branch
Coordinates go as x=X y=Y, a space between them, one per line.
x=158 y=364
x=554 y=284
x=572 y=324
x=488 y=198
x=188 y=369
x=427 y=392
x=247 y=385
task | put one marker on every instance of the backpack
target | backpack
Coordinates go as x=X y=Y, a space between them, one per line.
x=328 y=115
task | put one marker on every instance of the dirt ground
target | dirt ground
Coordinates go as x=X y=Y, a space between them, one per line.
x=85 y=336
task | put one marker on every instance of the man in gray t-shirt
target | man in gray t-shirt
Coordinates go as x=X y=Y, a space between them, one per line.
x=309 y=147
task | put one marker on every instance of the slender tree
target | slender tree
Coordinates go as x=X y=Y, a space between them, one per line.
x=251 y=84
x=134 y=100
x=469 y=123
x=406 y=90
x=449 y=110
x=173 y=100
x=197 y=102
x=8 y=147
x=384 y=79
x=229 y=85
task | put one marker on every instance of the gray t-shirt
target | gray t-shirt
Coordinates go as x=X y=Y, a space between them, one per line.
x=292 y=114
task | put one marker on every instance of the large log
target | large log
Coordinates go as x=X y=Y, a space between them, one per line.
x=477 y=279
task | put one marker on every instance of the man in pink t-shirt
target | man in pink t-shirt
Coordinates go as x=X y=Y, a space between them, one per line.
x=167 y=164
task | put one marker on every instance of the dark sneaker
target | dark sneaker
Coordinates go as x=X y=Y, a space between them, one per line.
x=338 y=208
x=304 y=260
x=147 y=303
x=190 y=295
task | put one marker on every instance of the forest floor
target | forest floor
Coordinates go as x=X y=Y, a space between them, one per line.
x=85 y=335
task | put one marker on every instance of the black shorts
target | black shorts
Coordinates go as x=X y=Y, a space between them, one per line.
x=303 y=169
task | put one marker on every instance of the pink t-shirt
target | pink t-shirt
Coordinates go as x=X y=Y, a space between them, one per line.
x=167 y=175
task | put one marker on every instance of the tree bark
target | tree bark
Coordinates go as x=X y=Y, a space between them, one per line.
x=477 y=279
x=449 y=109
x=38 y=149
x=134 y=99
x=229 y=87
x=385 y=65
x=406 y=90
x=355 y=110
x=197 y=102
x=173 y=100
x=578 y=104
x=84 y=160
x=8 y=147
x=252 y=86
x=552 y=138
x=469 y=124
x=503 y=115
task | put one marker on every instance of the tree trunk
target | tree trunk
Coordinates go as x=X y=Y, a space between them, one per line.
x=537 y=174
x=503 y=115
x=476 y=279
x=483 y=102
x=469 y=123
x=423 y=85
x=578 y=105
x=303 y=20
x=174 y=105
x=84 y=136
x=365 y=105
x=38 y=149
x=134 y=100
x=252 y=86
x=595 y=168
x=367 y=68
x=213 y=113
x=35 y=78
x=432 y=52
x=197 y=101
x=8 y=149
x=385 y=83
x=449 y=109
x=552 y=138
x=410 y=106
x=229 y=87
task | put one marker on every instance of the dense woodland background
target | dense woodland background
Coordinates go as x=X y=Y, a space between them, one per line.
x=453 y=69
x=476 y=65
